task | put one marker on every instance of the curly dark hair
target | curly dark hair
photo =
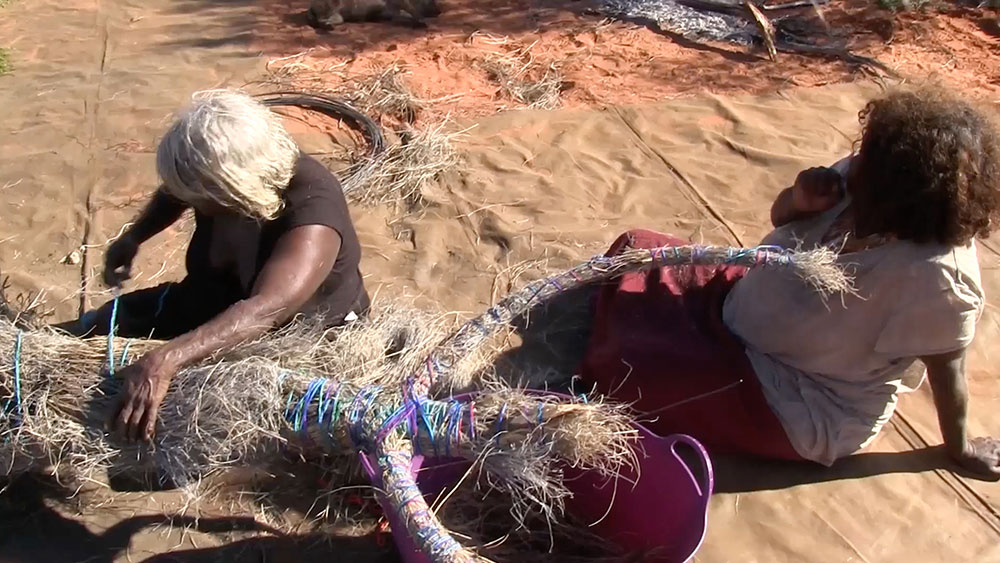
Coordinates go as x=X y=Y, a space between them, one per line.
x=928 y=168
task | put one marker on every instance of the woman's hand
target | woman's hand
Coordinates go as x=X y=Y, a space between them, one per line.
x=161 y=212
x=145 y=385
x=118 y=260
x=981 y=456
x=817 y=190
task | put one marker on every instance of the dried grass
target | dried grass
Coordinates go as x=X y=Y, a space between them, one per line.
x=220 y=414
x=230 y=412
x=5 y=65
x=529 y=457
x=480 y=516
x=409 y=166
x=26 y=311
x=383 y=92
x=521 y=78
x=419 y=154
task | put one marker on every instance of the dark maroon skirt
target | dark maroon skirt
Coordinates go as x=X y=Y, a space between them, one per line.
x=659 y=343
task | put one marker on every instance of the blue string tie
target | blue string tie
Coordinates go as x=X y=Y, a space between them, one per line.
x=288 y=407
x=335 y=410
x=315 y=387
x=422 y=412
x=17 y=381
x=112 y=328
x=472 y=420
x=453 y=417
x=161 y=302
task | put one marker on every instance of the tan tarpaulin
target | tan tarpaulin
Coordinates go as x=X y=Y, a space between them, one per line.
x=94 y=82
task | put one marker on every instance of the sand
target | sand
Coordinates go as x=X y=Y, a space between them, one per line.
x=616 y=63
x=654 y=133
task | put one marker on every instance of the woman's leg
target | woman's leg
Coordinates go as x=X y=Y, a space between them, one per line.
x=659 y=343
x=138 y=322
x=162 y=312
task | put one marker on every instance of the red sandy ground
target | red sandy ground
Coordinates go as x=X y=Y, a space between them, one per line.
x=621 y=63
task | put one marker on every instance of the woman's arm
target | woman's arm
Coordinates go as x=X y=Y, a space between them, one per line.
x=946 y=373
x=301 y=261
x=161 y=212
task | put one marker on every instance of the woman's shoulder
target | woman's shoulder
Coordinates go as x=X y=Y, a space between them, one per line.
x=937 y=300
x=843 y=164
x=936 y=267
x=310 y=171
x=933 y=256
x=314 y=196
x=313 y=181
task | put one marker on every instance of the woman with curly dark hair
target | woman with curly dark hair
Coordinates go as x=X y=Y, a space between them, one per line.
x=756 y=362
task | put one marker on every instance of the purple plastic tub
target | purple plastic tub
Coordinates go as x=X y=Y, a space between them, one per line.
x=662 y=512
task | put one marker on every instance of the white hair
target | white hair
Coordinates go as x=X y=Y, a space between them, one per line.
x=228 y=149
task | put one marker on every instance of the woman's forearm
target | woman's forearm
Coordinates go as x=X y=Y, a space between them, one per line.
x=161 y=212
x=951 y=399
x=302 y=259
x=243 y=321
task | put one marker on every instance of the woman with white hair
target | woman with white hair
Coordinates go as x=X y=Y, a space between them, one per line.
x=273 y=239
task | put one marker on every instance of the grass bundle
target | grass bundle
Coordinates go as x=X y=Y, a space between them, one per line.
x=817 y=268
x=56 y=392
x=261 y=400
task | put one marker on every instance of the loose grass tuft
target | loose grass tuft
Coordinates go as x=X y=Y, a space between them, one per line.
x=407 y=167
x=24 y=311
x=382 y=93
x=523 y=80
x=5 y=65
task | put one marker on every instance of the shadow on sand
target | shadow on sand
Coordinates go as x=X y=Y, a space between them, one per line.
x=33 y=530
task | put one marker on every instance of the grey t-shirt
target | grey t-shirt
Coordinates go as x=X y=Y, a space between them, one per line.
x=832 y=368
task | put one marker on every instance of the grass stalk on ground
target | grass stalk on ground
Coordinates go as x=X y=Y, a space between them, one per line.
x=5 y=65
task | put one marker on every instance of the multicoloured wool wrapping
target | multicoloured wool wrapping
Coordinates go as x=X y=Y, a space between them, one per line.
x=817 y=268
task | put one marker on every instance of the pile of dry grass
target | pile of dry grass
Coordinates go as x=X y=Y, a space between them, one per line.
x=524 y=80
x=419 y=152
x=408 y=166
x=382 y=93
x=24 y=311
